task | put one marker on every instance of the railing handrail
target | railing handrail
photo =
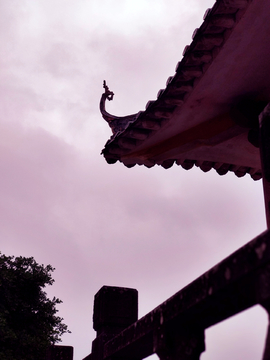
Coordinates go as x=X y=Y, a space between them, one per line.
x=233 y=285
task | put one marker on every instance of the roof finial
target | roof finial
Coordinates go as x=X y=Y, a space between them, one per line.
x=117 y=123
x=109 y=94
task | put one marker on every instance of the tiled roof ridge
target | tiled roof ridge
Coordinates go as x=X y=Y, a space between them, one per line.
x=219 y=21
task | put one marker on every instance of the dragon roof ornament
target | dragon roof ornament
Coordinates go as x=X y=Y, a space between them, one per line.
x=116 y=123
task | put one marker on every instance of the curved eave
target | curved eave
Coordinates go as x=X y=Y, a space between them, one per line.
x=196 y=129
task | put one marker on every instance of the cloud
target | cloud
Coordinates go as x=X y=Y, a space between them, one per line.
x=92 y=221
x=152 y=229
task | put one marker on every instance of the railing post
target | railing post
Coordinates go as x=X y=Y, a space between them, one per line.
x=266 y=354
x=115 y=308
x=264 y=121
x=59 y=352
x=263 y=298
x=266 y=305
x=172 y=344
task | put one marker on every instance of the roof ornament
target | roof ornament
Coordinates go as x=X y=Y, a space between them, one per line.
x=109 y=94
x=116 y=123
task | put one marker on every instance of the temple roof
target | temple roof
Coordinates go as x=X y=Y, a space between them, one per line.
x=207 y=114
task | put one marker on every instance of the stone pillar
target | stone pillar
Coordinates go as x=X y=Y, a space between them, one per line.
x=174 y=344
x=266 y=353
x=264 y=120
x=59 y=352
x=115 y=308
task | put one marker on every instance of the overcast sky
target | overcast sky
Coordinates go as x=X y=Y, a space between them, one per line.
x=155 y=230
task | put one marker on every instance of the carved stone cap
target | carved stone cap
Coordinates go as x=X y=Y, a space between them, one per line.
x=115 y=307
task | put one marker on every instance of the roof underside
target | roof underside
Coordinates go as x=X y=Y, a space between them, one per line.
x=205 y=115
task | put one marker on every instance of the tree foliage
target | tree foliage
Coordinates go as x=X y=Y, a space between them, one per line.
x=28 y=321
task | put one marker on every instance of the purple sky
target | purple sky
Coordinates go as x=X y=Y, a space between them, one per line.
x=152 y=229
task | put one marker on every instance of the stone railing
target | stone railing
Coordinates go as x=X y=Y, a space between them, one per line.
x=175 y=329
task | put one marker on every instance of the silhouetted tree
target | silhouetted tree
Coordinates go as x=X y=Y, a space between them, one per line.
x=28 y=321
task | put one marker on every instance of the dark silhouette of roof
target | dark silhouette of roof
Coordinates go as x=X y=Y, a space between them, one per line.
x=207 y=115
